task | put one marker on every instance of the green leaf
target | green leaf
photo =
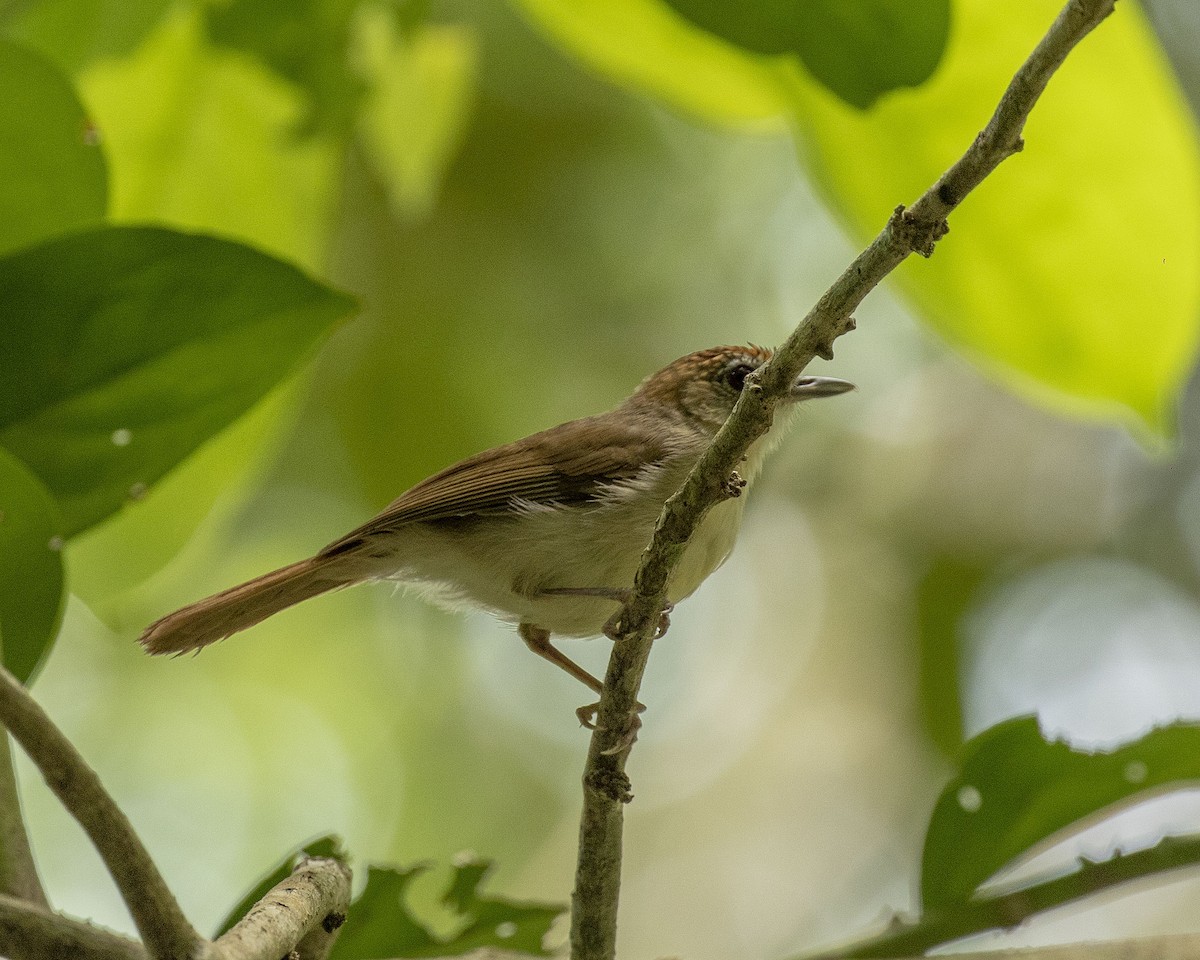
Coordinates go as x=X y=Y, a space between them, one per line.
x=1072 y=274
x=859 y=49
x=380 y=925
x=52 y=175
x=1016 y=791
x=329 y=846
x=31 y=568
x=73 y=33
x=131 y=346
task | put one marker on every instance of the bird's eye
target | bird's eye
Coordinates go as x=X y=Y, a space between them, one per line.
x=736 y=373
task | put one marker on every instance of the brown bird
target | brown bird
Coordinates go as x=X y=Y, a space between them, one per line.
x=546 y=532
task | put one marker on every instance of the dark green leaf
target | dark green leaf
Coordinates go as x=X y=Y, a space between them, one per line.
x=31 y=567
x=128 y=347
x=329 y=846
x=52 y=175
x=73 y=33
x=859 y=49
x=1029 y=790
x=380 y=925
x=495 y=921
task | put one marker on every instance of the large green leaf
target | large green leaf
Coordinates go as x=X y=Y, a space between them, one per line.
x=52 y=174
x=1088 y=238
x=128 y=347
x=1073 y=273
x=1016 y=791
x=860 y=49
x=31 y=567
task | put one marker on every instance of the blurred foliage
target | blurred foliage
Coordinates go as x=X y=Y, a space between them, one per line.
x=73 y=33
x=135 y=346
x=859 y=49
x=303 y=41
x=1040 y=283
x=50 y=164
x=31 y=567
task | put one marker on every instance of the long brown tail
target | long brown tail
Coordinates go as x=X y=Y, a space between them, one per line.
x=237 y=608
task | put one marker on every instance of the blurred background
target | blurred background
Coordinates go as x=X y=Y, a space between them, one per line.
x=923 y=558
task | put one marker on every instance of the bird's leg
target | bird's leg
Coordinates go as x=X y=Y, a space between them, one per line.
x=538 y=640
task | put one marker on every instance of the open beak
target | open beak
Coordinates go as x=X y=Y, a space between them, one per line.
x=805 y=388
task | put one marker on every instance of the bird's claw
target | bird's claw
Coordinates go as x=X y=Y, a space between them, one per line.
x=587 y=716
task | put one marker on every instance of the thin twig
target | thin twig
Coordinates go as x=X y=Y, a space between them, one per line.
x=302 y=913
x=1184 y=946
x=32 y=932
x=606 y=786
x=18 y=872
x=164 y=929
x=945 y=925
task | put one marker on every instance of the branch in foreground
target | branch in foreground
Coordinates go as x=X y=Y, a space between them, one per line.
x=1006 y=911
x=606 y=786
x=163 y=927
x=32 y=932
x=302 y=913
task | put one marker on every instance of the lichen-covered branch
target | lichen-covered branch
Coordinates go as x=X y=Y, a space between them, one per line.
x=164 y=929
x=917 y=229
x=302 y=913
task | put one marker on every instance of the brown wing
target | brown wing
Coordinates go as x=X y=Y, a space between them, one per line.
x=570 y=463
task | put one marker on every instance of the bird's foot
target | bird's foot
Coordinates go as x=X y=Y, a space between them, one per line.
x=614 y=626
x=587 y=717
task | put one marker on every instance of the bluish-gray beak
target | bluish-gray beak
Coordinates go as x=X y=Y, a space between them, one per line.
x=806 y=388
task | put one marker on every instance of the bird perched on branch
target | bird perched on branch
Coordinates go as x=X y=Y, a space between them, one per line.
x=546 y=532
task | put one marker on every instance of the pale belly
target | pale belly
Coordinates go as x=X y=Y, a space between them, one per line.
x=505 y=567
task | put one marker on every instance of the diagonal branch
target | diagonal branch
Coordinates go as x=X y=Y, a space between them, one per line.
x=606 y=786
x=163 y=927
